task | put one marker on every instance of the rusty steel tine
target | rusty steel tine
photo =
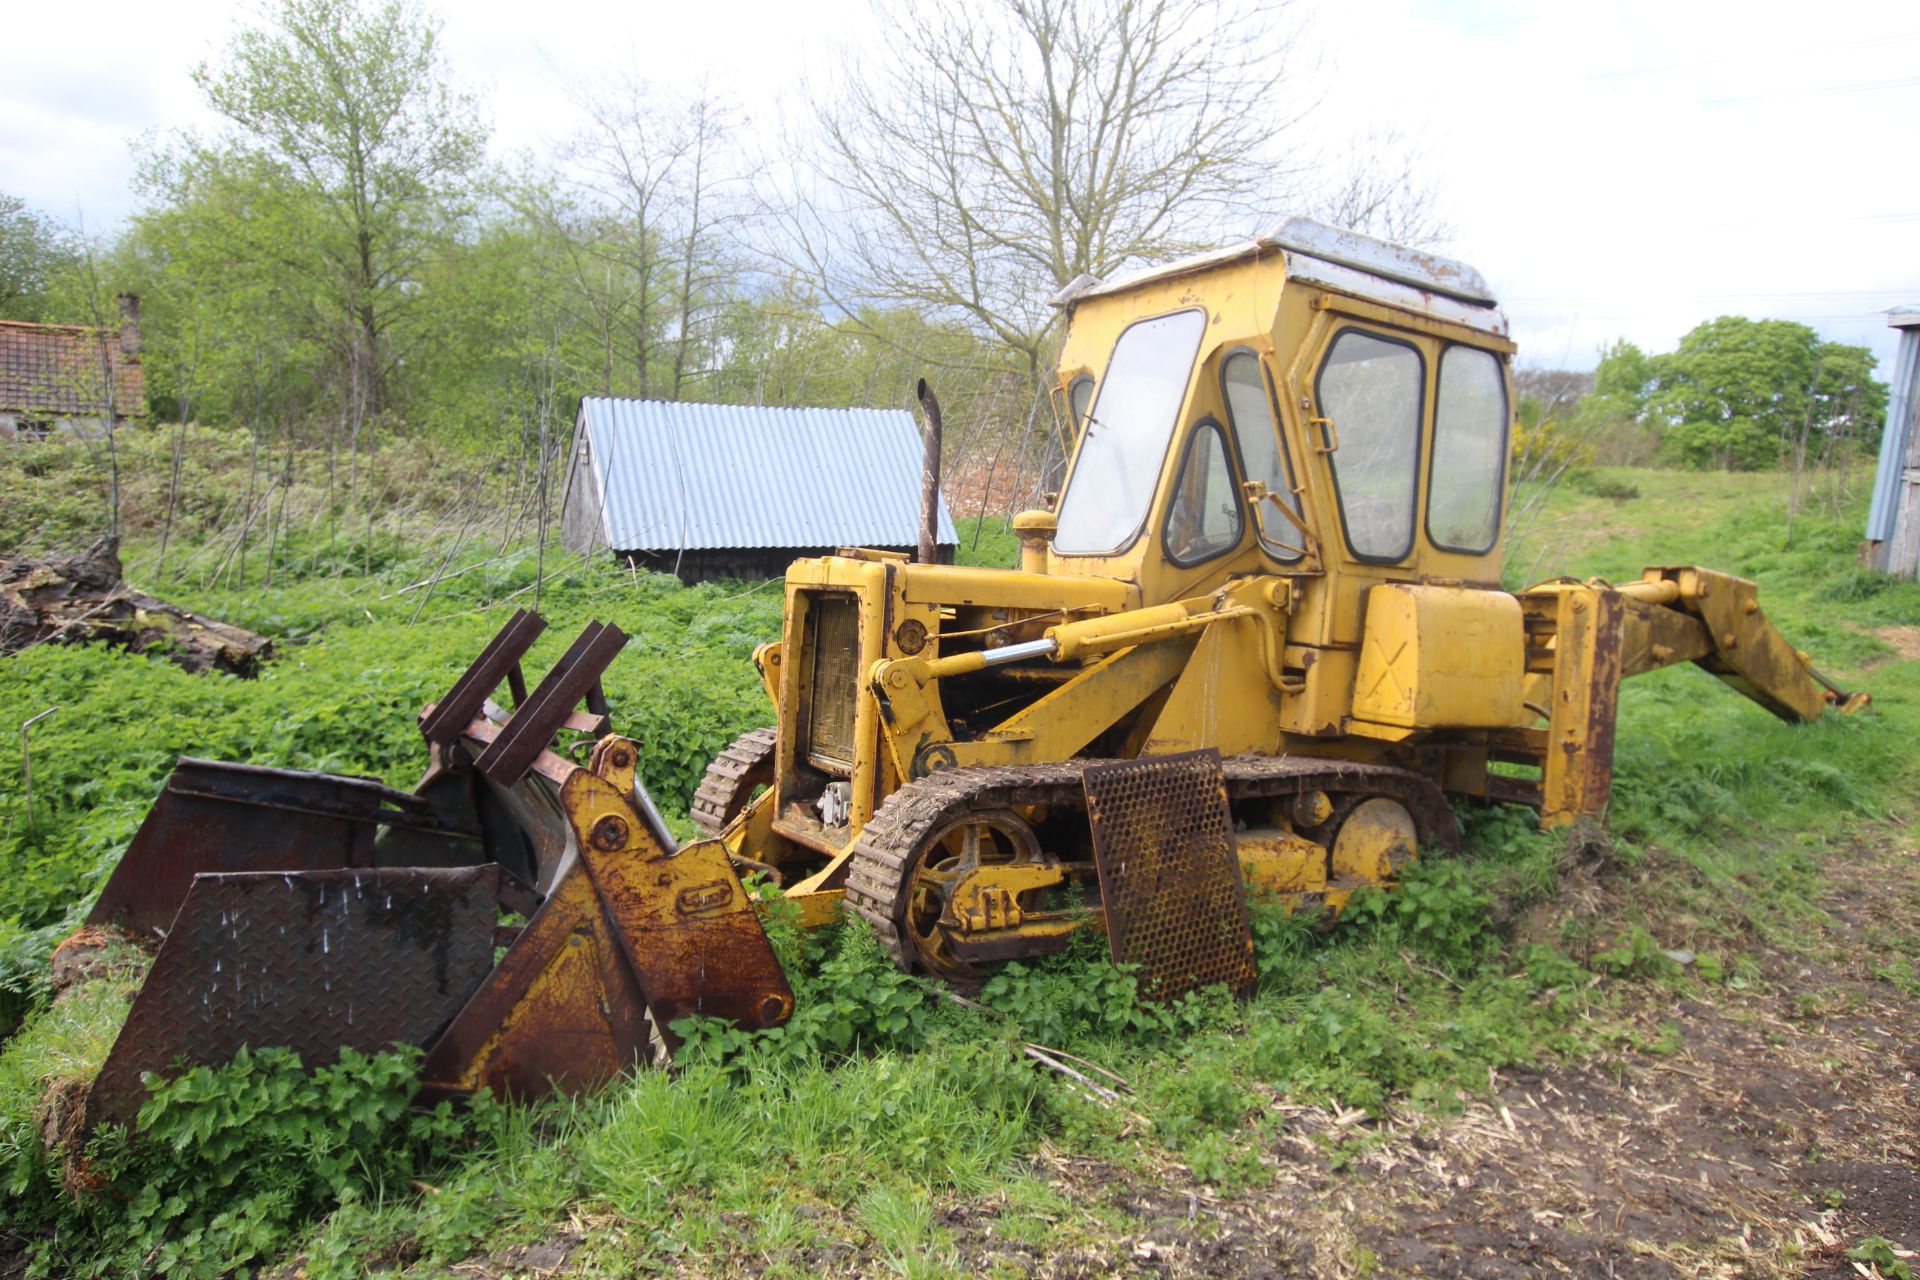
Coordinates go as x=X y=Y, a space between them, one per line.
x=489 y=759
x=532 y=727
x=497 y=662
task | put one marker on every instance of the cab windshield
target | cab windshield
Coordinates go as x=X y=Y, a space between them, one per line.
x=1126 y=435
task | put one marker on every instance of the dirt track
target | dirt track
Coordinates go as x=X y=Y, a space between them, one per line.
x=1772 y=1129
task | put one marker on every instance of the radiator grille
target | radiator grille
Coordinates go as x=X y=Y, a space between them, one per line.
x=835 y=623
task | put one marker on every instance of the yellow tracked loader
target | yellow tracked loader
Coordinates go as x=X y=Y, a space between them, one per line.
x=1259 y=641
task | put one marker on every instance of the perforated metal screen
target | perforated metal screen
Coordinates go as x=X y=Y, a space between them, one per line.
x=1169 y=872
x=312 y=960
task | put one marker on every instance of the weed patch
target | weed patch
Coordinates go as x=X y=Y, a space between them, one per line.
x=851 y=1129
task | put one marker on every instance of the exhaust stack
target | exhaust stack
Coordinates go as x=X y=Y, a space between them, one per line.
x=929 y=552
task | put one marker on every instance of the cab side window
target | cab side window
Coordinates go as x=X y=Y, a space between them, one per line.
x=1250 y=409
x=1204 y=518
x=1080 y=399
x=1469 y=452
x=1371 y=388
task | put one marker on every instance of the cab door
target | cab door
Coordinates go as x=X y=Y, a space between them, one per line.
x=1363 y=390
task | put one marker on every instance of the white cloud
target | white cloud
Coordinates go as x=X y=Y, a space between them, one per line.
x=1626 y=168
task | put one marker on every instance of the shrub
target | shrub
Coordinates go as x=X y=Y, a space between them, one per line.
x=1736 y=444
x=1438 y=910
x=225 y=1163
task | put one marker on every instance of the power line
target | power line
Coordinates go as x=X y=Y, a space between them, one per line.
x=1788 y=217
x=1817 y=91
x=1897 y=292
x=1654 y=69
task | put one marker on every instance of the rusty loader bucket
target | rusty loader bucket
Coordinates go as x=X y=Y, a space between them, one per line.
x=318 y=912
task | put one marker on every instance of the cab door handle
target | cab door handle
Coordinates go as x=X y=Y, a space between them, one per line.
x=1329 y=434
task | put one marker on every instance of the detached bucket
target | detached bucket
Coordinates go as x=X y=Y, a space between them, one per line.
x=215 y=817
x=312 y=960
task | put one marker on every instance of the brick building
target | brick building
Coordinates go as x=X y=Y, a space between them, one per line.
x=56 y=377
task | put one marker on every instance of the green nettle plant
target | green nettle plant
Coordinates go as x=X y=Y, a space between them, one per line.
x=224 y=1163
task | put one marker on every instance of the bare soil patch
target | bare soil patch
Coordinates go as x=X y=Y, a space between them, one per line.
x=1758 y=1132
x=1904 y=639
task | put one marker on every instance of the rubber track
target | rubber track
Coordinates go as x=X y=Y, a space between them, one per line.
x=877 y=874
x=731 y=777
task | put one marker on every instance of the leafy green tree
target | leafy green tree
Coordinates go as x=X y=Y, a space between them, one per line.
x=1623 y=377
x=33 y=249
x=343 y=174
x=1731 y=444
x=1734 y=367
x=1846 y=395
x=1735 y=384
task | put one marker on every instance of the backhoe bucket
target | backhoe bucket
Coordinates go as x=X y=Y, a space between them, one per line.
x=321 y=912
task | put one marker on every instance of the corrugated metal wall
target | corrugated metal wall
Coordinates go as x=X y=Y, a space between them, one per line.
x=1893 y=521
x=675 y=476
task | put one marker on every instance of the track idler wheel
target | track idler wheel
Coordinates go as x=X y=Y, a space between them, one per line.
x=1375 y=841
x=937 y=882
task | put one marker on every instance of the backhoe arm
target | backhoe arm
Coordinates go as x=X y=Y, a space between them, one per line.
x=1583 y=638
x=1714 y=619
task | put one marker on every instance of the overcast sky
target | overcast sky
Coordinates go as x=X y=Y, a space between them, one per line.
x=1615 y=169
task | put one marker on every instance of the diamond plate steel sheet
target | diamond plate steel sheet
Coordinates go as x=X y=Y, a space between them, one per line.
x=312 y=960
x=1169 y=872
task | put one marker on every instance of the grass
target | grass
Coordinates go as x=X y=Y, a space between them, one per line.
x=855 y=1131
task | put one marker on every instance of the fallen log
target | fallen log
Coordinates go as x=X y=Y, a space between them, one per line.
x=82 y=599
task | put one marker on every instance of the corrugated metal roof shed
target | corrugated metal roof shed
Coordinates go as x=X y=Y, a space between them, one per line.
x=679 y=476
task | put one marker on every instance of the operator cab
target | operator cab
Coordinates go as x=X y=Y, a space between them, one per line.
x=1313 y=403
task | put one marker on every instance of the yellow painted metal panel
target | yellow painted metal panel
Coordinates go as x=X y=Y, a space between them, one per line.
x=1224 y=697
x=1441 y=658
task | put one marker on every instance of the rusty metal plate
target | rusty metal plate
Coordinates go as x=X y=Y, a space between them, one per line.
x=1169 y=872
x=312 y=961
x=214 y=817
x=681 y=917
x=563 y=1009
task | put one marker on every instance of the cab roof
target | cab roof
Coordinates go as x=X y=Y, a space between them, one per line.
x=1338 y=259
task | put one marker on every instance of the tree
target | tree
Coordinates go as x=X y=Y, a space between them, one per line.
x=351 y=146
x=1382 y=191
x=1733 y=367
x=1737 y=392
x=998 y=151
x=1623 y=376
x=33 y=249
x=656 y=194
x=1546 y=394
x=1846 y=397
